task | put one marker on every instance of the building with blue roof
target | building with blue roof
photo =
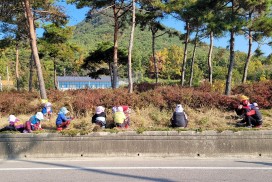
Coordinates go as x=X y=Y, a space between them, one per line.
x=83 y=82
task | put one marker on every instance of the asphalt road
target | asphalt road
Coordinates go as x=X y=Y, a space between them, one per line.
x=137 y=169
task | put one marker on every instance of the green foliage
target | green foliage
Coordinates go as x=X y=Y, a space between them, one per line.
x=57 y=53
x=89 y=35
x=86 y=36
x=99 y=61
x=94 y=32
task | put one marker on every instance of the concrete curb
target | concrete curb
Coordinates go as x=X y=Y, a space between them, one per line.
x=129 y=143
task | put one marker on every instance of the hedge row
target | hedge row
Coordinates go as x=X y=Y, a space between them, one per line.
x=81 y=102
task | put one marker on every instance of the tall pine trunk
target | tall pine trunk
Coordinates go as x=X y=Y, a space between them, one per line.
x=231 y=63
x=248 y=57
x=130 y=81
x=232 y=53
x=185 y=53
x=31 y=71
x=156 y=71
x=55 y=76
x=115 y=49
x=34 y=48
x=17 y=68
x=193 y=60
x=210 y=58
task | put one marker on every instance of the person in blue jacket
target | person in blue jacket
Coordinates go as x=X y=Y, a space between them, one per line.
x=47 y=110
x=62 y=121
x=34 y=123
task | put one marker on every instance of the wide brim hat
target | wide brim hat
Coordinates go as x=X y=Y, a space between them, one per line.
x=243 y=97
x=48 y=104
x=12 y=118
x=39 y=116
x=99 y=110
x=64 y=110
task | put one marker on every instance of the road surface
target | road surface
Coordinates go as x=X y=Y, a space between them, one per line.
x=137 y=169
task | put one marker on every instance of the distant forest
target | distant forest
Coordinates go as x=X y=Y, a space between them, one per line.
x=90 y=33
x=100 y=44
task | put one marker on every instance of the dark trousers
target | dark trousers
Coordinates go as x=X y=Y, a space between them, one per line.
x=250 y=121
x=8 y=128
x=12 y=128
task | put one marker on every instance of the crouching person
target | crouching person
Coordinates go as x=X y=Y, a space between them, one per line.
x=99 y=117
x=253 y=117
x=34 y=123
x=62 y=121
x=179 y=117
x=47 y=110
x=14 y=125
x=119 y=117
x=127 y=112
x=242 y=109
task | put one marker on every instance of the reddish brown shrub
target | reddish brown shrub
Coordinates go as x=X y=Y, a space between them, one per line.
x=81 y=102
x=260 y=92
x=17 y=102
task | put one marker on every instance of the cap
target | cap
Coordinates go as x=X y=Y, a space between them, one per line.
x=48 y=104
x=12 y=118
x=64 y=110
x=179 y=108
x=39 y=116
x=99 y=109
x=120 y=109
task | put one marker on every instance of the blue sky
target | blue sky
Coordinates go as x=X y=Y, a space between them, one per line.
x=241 y=43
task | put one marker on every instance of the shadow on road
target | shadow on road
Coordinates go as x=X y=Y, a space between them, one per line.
x=254 y=162
x=101 y=171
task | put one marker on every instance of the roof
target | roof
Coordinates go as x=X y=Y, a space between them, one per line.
x=83 y=79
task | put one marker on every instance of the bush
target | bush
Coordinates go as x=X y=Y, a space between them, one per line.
x=260 y=92
x=83 y=102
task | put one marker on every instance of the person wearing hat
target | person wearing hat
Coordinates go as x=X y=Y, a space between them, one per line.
x=14 y=125
x=34 y=123
x=242 y=109
x=62 y=121
x=99 y=117
x=47 y=110
x=250 y=114
x=179 y=117
x=126 y=111
x=119 y=118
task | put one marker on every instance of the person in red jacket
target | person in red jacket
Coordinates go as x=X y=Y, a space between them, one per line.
x=253 y=117
x=250 y=113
